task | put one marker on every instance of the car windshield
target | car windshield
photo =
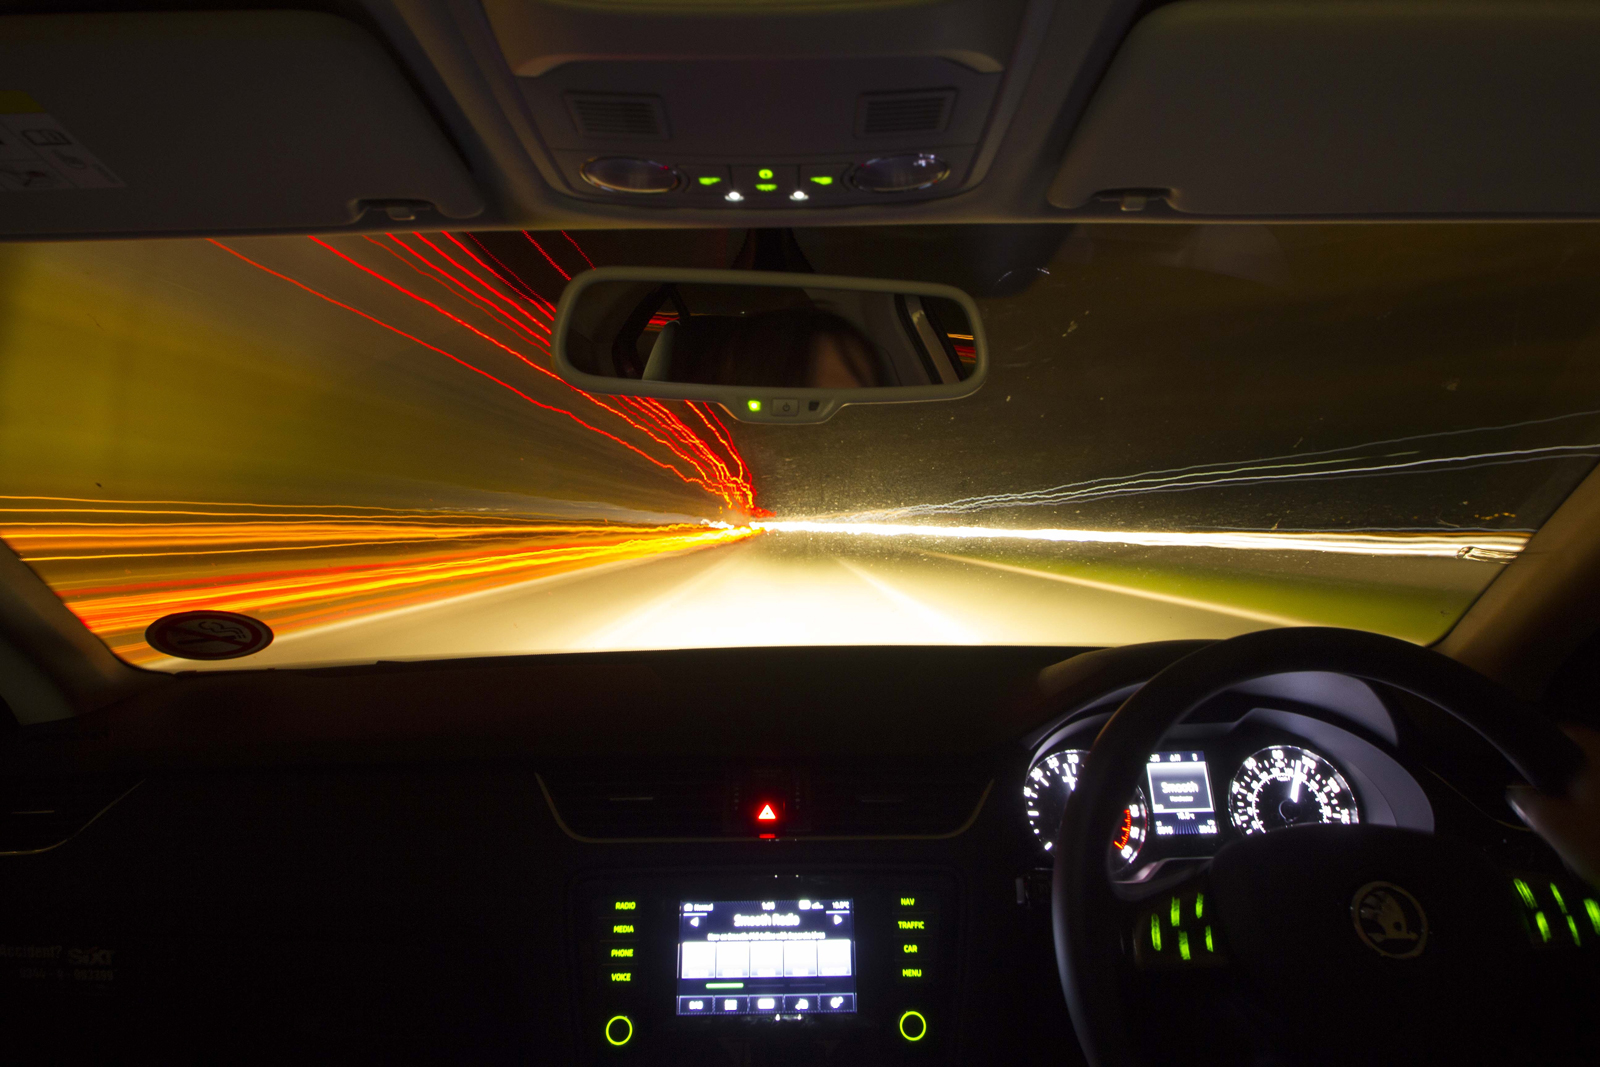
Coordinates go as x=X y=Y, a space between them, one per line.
x=1187 y=432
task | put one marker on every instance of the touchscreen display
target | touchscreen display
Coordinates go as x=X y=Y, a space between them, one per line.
x=761 y=957
x=1180 y=794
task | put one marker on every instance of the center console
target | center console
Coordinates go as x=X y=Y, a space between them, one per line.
x=836 y=966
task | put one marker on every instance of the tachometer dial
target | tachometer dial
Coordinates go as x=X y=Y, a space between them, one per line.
x=1288 y=786
x=1052 y=780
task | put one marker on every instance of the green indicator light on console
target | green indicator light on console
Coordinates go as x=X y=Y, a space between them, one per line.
x=1199 y=905
x=619 y=1030
x=1572 y=928
x=1183 y=945
x=1177 y=911
x=822 y=179
x=1155 y=932
x=1593 y=908
x=709 y=179
x=913 y=1027
x=765 y=174
x=1209 y=946
x=1555 y=891
x=766 y=187
x=753 y=405
x=1544 y=926
x=1524 y=892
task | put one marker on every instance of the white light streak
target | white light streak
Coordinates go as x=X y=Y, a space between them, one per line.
x=1448 y=546
x=1327 y=465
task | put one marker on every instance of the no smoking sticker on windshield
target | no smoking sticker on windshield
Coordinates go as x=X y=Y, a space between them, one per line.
x=208 y=635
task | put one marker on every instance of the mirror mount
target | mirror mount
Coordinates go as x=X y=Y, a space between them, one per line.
x=769 y=346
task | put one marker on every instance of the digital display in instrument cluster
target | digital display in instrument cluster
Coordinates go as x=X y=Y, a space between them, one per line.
x=766 y=957
x=1180 y=795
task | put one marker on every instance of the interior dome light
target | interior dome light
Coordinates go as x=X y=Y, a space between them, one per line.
x=624 y=174
x=900 y=174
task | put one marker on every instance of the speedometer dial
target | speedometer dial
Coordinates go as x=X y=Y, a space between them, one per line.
x=1288 y=786
x=1052 y=780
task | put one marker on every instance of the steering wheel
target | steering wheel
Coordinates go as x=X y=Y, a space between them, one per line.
x=1358 y=943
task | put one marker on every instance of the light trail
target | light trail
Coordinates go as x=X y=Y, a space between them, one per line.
x=316 y=593
x=706 y=469
x=1354 y=544
x=121 y=564
x=649 y=417
x=1337 y=464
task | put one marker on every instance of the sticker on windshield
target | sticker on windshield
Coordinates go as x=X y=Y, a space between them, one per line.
x=37 y=152
x=208 y=635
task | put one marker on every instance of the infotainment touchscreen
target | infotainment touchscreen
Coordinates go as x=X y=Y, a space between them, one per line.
x=1180 y=794
x=766 y=957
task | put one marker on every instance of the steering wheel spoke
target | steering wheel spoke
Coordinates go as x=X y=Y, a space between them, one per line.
x=1177 y=930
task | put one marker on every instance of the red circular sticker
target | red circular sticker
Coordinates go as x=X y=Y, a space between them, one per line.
x=208 y=635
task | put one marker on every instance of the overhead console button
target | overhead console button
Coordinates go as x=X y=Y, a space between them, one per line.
x=824 y=179
x=711 y=181
x=765 y=182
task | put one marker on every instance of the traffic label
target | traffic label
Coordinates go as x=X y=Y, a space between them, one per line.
x=208 y=635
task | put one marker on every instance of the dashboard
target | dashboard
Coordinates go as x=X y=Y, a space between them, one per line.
x=601 y=887
x=1269 y=769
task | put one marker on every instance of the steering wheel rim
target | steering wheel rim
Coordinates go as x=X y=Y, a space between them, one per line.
x=1088 y=949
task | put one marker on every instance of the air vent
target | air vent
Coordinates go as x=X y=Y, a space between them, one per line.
x=893 y=802
x=610 y=116
x=892 y=114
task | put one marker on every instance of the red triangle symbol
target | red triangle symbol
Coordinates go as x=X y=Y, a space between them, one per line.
x=766 y=814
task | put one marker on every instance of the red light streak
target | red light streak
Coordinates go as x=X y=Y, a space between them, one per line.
x=564 y=275
x=509 y=278
x=711 y=474
x=579 y=247
x=476 y=370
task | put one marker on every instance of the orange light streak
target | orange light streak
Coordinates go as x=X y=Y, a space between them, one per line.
x=348 y=565
x=123 y=607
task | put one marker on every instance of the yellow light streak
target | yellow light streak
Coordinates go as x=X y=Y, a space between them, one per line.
x=120 y=565
x=1358 y=544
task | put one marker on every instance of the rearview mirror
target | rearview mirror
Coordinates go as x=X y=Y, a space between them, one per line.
x=769 y=347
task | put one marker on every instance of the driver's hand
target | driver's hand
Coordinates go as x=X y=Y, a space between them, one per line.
x=1571 y=824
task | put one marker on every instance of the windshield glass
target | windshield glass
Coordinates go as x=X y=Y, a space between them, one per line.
x=1186 y=432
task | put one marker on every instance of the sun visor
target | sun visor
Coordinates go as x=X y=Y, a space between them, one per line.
x=1396 y=109
x=211 y=122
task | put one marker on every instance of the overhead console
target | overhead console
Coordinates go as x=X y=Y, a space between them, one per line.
x=788 y=107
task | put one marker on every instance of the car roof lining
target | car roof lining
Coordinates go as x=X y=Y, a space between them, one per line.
x=1162 y=118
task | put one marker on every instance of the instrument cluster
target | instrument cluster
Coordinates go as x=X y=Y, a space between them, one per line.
x=1256 y=776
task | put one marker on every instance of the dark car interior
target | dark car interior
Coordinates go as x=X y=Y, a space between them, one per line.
x=779 y=831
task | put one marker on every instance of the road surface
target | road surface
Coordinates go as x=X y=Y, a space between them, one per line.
x=777 y=589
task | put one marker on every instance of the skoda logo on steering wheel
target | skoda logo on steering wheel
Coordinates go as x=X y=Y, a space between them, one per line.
x=1389 y=920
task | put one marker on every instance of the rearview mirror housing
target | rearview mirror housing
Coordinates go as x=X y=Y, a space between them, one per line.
x=768 y=346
